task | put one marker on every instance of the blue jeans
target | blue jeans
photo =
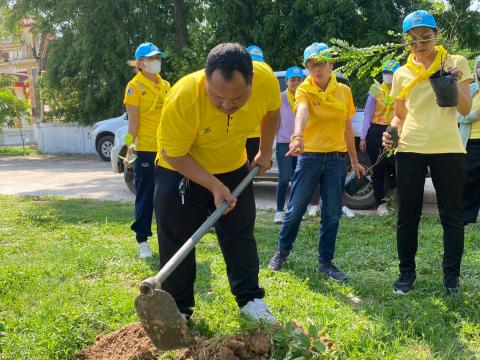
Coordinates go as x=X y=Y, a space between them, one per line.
x=143 y=169
x=328 y=170
x=286 y=168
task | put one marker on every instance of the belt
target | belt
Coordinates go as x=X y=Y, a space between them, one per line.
x=340 y=154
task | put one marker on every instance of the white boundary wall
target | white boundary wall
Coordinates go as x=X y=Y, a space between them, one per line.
x=53 y=138
x=11 y=136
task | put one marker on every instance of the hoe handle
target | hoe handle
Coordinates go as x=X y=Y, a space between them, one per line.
x=148 y=285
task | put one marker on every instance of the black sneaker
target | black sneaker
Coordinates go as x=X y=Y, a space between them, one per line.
x=405 y=283
x=452 y=285
x=277 y=260
x=331 y=271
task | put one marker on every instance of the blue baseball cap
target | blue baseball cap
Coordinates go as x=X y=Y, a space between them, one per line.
x=256 y=53
x=391 y=66
x=293 y=72
x=146 y=50
x=318 y=51
x=419 y=18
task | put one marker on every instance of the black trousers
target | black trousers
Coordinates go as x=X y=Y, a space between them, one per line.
x=380 y=171
x=471 y=194
x=144 y=187
x=177 y=222
x=447 y=171
x=252 y=145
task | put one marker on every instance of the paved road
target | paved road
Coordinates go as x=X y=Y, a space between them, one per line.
x=92 y=178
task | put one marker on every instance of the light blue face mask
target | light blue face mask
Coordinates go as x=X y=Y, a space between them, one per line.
x=387 y=78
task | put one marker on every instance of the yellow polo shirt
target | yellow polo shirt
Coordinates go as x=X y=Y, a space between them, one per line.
x=149 y=98
x=192 y=125
x=429 y=128
x=475 y=134
x=325 y=129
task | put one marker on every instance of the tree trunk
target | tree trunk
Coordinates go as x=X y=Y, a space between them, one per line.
x=181 y=24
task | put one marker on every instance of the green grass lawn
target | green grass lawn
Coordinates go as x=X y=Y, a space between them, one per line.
x=18 y=151
x=69 y=272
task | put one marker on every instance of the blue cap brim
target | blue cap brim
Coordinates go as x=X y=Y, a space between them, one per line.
x=156 y=52
x=420 y=25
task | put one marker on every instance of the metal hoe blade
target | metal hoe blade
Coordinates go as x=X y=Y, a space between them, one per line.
x=162 y=321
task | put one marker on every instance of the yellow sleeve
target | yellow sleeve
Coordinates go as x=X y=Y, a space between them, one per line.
x=176 y=132
x=300 y=98
x=463 y=65
x=350 y=105
x=132 y=95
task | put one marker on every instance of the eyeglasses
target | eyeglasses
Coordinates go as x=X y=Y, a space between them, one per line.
x=412 y=42
x=316 y=64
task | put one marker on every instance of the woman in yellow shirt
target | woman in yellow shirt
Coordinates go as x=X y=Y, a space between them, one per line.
x=144 y=96
x=323 y=133
x=429 y=138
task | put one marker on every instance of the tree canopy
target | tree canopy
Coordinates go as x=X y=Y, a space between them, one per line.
x=87 y=63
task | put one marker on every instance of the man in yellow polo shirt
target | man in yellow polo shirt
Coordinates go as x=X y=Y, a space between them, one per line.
x=323 y=134
x=206 y=119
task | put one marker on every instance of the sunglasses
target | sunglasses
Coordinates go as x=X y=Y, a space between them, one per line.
x=412 y=42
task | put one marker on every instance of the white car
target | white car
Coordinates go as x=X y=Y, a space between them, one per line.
x=103 y=134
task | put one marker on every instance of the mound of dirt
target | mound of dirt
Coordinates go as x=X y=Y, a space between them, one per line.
x=129 y=343
x=251 y=346
x=132 y=343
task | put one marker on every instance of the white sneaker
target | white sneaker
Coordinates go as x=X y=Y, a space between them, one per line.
x=145 y=250
x=382 y=210
x=258 y=310
x=347 y=212
x=279 y=217
x=313 y=210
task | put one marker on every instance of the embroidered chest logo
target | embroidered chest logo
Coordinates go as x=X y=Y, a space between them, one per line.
x=142 y=89
x=207 y=130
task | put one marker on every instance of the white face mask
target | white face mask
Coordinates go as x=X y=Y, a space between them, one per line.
x=153 y=66
x=387 y=78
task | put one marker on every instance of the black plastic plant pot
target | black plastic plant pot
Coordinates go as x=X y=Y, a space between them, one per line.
x=354 y=184
x=445 y=88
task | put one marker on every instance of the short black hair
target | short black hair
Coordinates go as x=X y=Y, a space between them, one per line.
x=228 y=58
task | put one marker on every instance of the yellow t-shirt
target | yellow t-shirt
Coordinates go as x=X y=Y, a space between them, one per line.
x=475 y=134
x=149 y=98
x=429 y=128
x=192 y=125
x=325 y=129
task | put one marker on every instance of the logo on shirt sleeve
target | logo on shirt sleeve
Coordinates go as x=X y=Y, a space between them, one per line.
x=129 y=91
